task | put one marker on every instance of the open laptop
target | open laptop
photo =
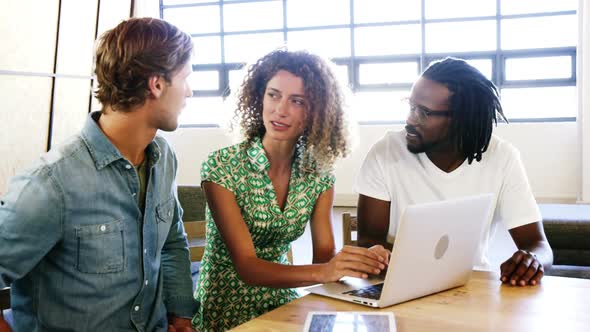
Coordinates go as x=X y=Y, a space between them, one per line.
x=434 y=250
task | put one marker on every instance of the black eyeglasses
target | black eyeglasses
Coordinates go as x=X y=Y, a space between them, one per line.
x=422 y=113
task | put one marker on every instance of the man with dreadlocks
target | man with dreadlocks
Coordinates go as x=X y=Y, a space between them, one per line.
x=446 y=151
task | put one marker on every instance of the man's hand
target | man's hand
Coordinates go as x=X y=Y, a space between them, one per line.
x=177 y=324
x=522 y=269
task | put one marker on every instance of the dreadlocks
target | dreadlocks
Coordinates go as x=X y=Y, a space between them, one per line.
x=475 y=103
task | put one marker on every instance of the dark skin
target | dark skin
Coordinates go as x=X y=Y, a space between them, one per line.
x=526 y=266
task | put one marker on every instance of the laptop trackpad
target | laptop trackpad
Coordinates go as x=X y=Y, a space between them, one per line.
x=346 y=284
x=370 y=292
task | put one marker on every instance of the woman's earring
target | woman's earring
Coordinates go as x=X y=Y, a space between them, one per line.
x=300 y=146
x=301 y=149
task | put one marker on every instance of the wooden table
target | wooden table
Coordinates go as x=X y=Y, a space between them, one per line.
x=484 y=304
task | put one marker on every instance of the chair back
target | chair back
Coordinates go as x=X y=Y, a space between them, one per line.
x=4 y=300
x=195 y=234
x=349 y=230
x=192 y=201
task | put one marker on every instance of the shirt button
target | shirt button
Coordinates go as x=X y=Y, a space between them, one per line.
x=133 y=194
x=136 y=308
x=145 y=251
x=103 y=228
x=128 y=166
x=146 y=282
x=169 y=213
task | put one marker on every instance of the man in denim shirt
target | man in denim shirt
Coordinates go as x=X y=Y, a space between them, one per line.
x=91 y=237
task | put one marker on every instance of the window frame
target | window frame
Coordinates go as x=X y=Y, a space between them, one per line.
x=497 y=57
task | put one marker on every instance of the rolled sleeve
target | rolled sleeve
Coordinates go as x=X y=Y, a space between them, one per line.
x=178 y=285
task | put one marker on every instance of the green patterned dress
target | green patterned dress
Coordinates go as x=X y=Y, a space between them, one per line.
x=225 y=300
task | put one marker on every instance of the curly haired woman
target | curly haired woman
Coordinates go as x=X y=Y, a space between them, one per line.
x=262 y=192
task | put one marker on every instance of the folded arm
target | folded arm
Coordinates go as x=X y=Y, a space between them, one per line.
x=527 y=266
x=373 y=222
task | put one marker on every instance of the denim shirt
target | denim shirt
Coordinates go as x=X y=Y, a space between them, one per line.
x=77 y=251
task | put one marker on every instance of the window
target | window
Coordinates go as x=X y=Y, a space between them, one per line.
x=527 y=47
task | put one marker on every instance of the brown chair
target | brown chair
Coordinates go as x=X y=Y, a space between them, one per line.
x=349 y=230
x=192 y=200
x=195 y=233
x=4 y=299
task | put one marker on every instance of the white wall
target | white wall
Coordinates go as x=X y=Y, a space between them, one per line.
x=550 y=153
x=45 y=72
x=583 y=81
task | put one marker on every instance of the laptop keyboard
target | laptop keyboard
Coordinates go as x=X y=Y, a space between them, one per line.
x=370 y=292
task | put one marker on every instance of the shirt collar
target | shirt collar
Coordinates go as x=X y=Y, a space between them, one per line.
x=101 y=149
x=257 y=157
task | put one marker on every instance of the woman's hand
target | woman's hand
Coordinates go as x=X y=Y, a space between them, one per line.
x=353 y=262
x=382 y=252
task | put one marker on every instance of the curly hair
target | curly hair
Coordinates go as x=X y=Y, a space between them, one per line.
x=135 y=50
x=325 y=137
x=475 y=102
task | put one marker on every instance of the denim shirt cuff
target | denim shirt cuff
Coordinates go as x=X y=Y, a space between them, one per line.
x=182 y=306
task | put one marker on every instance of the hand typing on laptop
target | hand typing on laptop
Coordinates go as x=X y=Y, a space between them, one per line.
x=355 y=262
x=382 y=252
x=422 y=262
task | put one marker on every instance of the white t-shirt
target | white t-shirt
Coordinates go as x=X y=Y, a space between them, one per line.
x=392 y=173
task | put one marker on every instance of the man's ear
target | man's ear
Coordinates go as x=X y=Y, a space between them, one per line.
x=156 y=85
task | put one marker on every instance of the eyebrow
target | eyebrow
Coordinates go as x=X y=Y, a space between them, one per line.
x=413 y=101
x=422 y=106
x=279 y=91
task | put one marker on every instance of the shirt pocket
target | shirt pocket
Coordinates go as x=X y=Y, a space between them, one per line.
x=101 y=248
x=164 y=215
